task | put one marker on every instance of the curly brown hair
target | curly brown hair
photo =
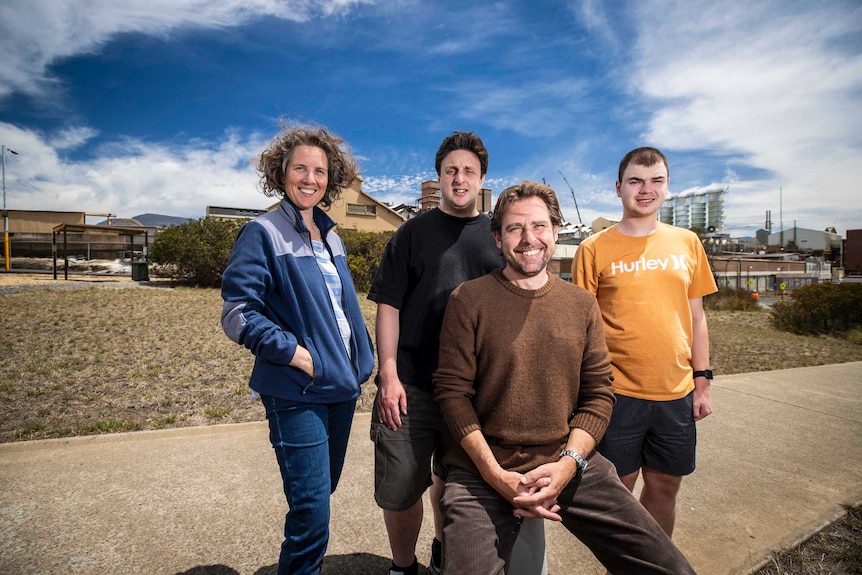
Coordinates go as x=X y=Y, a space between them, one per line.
x=272 y=162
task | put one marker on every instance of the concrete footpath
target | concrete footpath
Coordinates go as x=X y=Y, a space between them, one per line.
x=779 y=456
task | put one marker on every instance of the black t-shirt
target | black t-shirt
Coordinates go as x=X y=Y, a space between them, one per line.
x=428 y=257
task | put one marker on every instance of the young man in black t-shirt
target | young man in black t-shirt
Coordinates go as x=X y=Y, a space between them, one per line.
x=428 y=257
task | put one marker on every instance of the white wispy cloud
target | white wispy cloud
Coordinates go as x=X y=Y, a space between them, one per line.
x=549 y=107
x=72 y=138
x=440 y=28
x=135 y=177
x=593 y=15
x=36 y=33
x=395 y=190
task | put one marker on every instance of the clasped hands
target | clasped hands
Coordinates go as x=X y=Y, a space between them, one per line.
x=534 y=494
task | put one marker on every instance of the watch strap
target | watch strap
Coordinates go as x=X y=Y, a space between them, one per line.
x=582 y=463
x=707 y=373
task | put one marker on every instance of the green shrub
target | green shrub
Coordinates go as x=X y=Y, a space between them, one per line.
x=854 y=336
x=364 y=252
x=819 y=309
x=730 y=299
x=196 y=252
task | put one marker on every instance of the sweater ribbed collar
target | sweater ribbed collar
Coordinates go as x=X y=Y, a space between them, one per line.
x=544 y=290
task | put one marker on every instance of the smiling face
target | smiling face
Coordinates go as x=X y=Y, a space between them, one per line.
x=643 y=189
x=527 y=238
x=306 y=177
x=461 y=181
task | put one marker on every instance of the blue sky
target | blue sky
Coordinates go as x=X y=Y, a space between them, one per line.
x=130 y=107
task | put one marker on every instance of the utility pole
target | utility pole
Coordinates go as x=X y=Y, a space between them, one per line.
x=781 y=215
x=6 y=254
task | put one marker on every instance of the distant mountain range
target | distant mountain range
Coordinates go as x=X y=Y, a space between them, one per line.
x=150 y=220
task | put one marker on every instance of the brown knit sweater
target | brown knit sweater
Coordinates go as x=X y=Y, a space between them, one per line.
x=524 y=367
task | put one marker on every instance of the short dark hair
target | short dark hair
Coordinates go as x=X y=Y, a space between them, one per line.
x=272 y=162
x=642 y=157
x=526 y=190
x=462 y=141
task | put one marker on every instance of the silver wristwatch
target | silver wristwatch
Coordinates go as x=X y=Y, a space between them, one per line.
x=582 y=463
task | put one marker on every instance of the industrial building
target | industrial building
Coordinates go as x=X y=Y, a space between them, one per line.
x=806 y=240
x=853 y=254
x=702 y=208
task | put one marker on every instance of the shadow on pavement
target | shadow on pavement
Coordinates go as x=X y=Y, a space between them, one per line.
x=348 y=564
x=210 y=570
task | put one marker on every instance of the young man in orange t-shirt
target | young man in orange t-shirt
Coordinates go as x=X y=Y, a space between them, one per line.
x=650 y=279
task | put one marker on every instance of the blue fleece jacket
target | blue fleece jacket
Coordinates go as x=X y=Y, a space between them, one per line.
x=275 y=298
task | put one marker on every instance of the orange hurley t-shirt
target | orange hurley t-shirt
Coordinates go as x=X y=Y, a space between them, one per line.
x=643 y=285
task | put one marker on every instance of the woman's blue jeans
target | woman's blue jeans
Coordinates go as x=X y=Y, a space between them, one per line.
x=310 y=441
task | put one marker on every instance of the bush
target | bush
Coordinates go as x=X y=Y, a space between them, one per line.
x=364 y=252
x=196 y=252
x=730 y=299
x=854 y=336
x=819 y=309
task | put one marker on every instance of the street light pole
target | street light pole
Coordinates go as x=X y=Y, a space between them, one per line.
x=6 y=255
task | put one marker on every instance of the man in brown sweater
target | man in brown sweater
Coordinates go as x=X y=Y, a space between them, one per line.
x=524 y=385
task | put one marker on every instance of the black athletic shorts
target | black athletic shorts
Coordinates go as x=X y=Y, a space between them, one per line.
x=660 y=435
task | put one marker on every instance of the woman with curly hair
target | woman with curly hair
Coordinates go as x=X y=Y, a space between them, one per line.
x=289 y=298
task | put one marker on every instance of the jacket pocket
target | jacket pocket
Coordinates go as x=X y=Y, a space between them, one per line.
x=316 y=362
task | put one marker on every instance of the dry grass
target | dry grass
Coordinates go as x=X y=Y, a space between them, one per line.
x=106 y=359
x=836 y=550
x=743 y=342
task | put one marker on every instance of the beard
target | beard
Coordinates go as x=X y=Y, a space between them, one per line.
x=530 y=268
